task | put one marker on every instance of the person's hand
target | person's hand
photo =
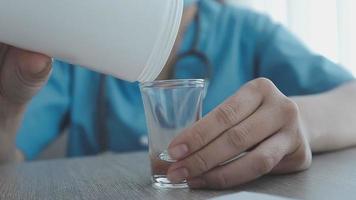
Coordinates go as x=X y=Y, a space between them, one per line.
x=22 y=74
x=259 y=120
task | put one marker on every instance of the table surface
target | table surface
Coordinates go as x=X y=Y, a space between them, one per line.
x=126 y=176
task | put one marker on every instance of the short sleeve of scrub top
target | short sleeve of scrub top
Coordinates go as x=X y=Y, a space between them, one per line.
x=284 y=59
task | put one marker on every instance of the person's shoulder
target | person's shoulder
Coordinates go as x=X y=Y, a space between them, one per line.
x=223 y=10
x=225 y=16
x=236 y=10
x=249 y=25
x=246 y=17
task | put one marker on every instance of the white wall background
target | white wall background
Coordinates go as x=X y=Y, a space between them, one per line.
x=326 y=26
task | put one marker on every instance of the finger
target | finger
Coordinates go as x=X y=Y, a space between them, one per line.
x=22 y=74
x=252 y=166
x=234 y=110
x=260 y=125
x=3 y=51
x=298 y=160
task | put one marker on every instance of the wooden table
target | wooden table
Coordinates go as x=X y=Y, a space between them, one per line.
x=126 y=176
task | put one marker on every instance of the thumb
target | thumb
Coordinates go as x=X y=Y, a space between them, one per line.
x=22 y=74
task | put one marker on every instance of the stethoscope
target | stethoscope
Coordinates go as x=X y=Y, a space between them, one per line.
x=101 y=132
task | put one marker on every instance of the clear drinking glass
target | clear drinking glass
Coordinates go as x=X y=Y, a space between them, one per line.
x=170 y=106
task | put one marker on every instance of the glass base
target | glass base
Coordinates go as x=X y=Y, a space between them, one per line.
x=161 y=182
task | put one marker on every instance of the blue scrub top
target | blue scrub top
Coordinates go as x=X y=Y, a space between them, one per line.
x=240 y=44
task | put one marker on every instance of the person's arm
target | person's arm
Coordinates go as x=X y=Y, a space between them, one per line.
x=22 y=74
x=330 y=118
x=324 y=91
x=263 y=121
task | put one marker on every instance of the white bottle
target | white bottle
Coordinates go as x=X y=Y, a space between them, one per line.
x=129 y=39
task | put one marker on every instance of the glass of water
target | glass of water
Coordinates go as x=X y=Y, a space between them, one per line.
x=170 y=106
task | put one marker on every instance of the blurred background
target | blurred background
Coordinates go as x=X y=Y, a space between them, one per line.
x=326 y=26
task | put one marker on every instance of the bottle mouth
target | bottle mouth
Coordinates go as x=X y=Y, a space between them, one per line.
x=174 y=83
x=164 y=43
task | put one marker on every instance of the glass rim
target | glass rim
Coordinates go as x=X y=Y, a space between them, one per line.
x=173 y=83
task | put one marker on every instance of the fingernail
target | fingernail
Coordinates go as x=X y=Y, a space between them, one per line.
x=196 y=183
x=46 y=69
x=178 y=152
x=38 y=70
x=178 y=175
